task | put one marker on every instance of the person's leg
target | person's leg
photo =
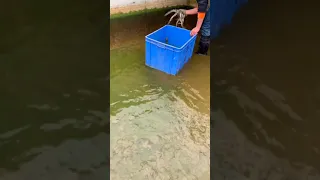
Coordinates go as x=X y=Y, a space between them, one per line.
x=205 y=35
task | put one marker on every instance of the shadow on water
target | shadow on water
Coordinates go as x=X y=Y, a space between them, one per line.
x=53 y=90
x=159 y=123
x=266 y=94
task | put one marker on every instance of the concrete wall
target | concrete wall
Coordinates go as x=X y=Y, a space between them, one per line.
x=124 y=6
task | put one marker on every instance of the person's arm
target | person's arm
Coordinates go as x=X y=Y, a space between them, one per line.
x=202 y=9
x=192 y=11
x=200 y=20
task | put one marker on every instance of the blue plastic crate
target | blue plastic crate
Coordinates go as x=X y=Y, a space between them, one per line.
x=169 y=48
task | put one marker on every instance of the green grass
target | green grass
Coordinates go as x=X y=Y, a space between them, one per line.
x=143 y=11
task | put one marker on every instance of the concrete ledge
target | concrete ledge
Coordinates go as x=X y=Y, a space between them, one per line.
x=147 y=5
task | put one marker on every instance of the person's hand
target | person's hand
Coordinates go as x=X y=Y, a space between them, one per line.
x=194 y=31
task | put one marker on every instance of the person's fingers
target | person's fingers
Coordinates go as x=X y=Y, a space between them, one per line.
x=192 y=33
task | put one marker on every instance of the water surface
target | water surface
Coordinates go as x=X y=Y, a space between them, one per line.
x=159 y=123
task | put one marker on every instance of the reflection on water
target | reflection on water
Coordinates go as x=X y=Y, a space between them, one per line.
x=265 y=85
x=159 y=123
x=54 y=91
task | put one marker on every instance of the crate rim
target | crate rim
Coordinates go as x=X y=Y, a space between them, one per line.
x=167 y=45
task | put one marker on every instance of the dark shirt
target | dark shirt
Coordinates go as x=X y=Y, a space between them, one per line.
x=202 y=5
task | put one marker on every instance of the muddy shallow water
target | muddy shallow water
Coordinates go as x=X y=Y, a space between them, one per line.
x=159 y=123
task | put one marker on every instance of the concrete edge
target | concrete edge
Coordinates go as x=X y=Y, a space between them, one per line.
x=148 y=5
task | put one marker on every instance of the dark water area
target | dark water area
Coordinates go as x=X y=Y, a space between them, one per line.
x=266 y=93
x=54 y=90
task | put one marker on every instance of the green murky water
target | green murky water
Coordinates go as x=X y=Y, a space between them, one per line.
x=159 y=123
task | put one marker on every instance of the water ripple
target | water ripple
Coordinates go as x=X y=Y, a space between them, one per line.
x=160 y=139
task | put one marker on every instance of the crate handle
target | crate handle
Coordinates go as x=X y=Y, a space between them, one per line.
x=160 y=45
